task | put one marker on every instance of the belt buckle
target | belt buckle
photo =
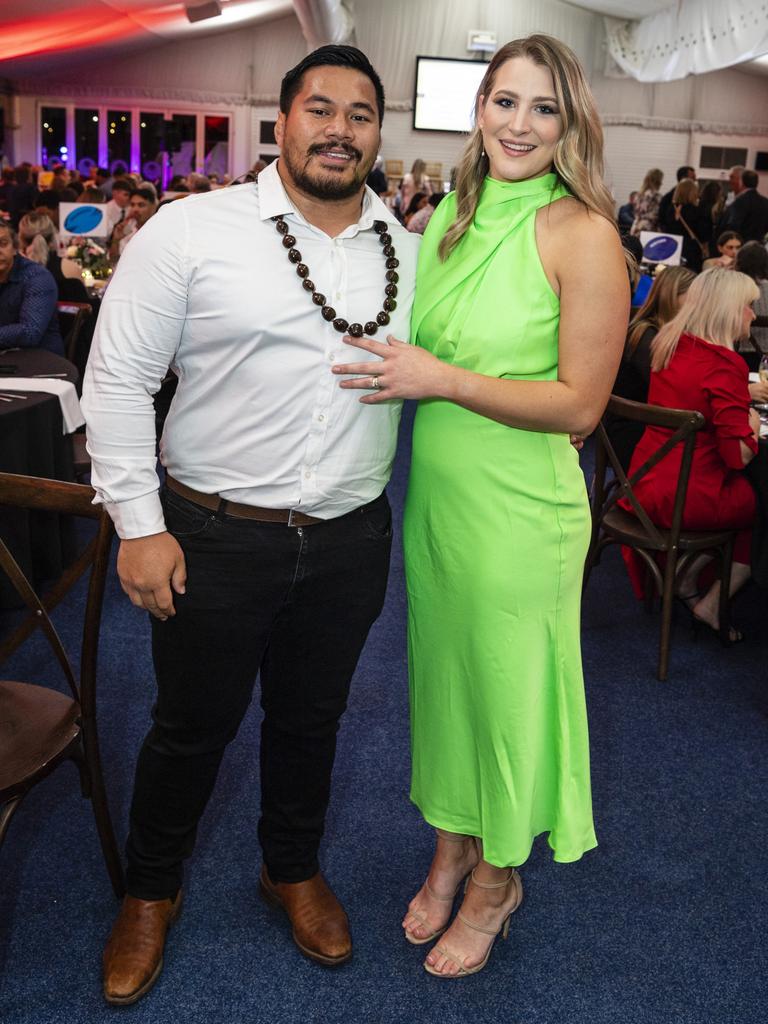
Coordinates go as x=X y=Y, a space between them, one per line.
x=290 y=516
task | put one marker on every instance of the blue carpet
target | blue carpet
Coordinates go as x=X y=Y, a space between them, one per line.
x=664 y=922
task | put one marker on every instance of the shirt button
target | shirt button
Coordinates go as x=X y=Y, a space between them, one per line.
x=337 y=295
x=307 y=474
x=320 y=418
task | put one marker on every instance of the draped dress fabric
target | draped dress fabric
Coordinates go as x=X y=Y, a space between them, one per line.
x=496 y=531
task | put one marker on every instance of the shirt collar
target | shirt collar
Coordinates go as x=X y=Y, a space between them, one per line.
x=274 y=201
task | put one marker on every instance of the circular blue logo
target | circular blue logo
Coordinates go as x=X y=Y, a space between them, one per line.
x=84 y=220
x=659 y=248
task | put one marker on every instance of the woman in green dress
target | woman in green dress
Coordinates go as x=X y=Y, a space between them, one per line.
x=519 y=320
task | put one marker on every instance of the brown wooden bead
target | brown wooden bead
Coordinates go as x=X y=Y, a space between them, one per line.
x=309 y=285
x=318 y=299
x=282 y=227
x=386 y=238
x=393 y=276
x=289 y=241
x=389 y=305
x=382 y=318
x=341 y=324
x=329 y=313
x=356 y=330
x=294 y=255
x=391 y=290
x=302 y=270
x=371 y=327
x=379 y=226
x=392 y=263
x=388 y=250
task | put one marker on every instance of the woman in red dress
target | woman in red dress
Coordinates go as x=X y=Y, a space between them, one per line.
x=694 y=366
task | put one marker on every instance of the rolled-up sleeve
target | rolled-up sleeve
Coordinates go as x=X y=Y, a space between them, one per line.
x=726 y=386
x=138 y=332
x=36 y=311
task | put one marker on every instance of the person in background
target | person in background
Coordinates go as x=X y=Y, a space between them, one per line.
x=711 y=201
x=647 y=209
x=377 y=179
x=667 y=220
x=28 y=297
x=752 y=260
x=7 y=183
x=199 y=183
x=141 y=206
x=694 y=366
x=92 y=194
x=103 y=180
x=418 y=222
x=257 y=168
x=39 y=241
x=117 y=207
x=626 y=216
x=21 y=198
x=688 y=222
x=413 y=182
x=634 y=375
x=748 y=213
x=735 y=184
x=728 y=245
x=418 y=202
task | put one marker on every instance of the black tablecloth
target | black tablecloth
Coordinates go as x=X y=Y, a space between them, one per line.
x=32 y=442
x=757 y=472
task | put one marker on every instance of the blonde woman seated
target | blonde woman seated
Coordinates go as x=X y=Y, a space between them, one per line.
x=634 y=376
x=415 y=181
x=728 y=245
x=39 y=242
x=694 y=366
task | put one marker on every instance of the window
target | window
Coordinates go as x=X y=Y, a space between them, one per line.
x=721 y=158
x=267 y=133
x=182 y=143
x=216 y=144
x=86 y=140
x=53 y=136
x=118 y=141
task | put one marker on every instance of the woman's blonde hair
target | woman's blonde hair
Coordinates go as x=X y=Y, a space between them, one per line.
x=661 y=305
x=37 y=237
x=652 y=181
x=686 y=191
x=713 y=310
x=578 y=159
x=418 y=170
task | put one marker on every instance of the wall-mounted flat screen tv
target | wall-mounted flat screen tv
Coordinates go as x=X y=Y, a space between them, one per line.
x=445 y=93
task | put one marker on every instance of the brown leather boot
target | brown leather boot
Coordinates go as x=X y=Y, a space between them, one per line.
x=320 y=925
x=133 y=956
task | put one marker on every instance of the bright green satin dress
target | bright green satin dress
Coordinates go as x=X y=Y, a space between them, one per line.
x=496 y=531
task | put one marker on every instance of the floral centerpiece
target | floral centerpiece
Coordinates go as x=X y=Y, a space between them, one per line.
x=91 y=256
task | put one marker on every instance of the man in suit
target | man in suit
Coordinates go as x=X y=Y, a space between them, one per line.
x=748 y=213
x=667 y=220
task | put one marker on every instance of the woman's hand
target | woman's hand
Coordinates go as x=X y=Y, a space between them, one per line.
x=405 y=371
x=758 y=391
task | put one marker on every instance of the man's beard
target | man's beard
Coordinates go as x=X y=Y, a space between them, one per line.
x=326 y=186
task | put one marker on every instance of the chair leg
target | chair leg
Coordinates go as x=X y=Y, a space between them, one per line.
x=724 y=609
x=666 y=614
x=98 y=797
x=7 y=813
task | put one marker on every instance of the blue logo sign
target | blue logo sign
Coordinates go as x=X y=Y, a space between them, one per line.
x=660 y=248
x=84 y=220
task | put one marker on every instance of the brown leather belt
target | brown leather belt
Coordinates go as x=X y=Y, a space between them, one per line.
x=215 y=503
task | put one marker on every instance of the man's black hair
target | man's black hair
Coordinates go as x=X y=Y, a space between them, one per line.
x=752 y=260
x=335 y=57
x=122 y=185
x=145 y=193
x=749 y=179
x=682 y=172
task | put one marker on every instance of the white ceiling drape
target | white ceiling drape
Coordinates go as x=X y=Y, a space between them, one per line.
x=690 y=38
x=324 y=21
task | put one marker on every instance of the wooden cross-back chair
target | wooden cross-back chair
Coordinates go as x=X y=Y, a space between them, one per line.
x=614 y=525
x=40 y=727
x=73 y=317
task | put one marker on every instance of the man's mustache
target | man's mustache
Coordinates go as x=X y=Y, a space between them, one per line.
x=319 y=148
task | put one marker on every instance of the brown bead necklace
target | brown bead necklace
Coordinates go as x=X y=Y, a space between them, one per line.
x=328 y=312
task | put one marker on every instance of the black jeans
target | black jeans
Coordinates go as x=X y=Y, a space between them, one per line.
x=294 y=604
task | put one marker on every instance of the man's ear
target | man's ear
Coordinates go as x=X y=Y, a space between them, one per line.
x=280 y=129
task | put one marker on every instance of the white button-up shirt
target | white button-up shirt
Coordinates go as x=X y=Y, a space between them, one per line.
x=258 y=417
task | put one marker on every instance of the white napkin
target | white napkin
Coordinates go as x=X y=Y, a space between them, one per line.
x=754 y=378
x=64 y=389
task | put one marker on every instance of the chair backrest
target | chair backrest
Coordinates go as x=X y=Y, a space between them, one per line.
x=26 y=492
x=434 y=171
x=72 y=318
x=759 y=321
x=682 y=425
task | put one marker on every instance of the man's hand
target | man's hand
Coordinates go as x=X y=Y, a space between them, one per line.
x=758 y=391
x=148 y=568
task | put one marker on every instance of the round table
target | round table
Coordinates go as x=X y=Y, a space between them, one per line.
x=32 y=442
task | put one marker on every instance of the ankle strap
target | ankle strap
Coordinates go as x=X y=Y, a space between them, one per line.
x=493 y=885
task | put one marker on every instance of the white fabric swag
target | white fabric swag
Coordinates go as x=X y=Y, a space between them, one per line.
x=690 y=38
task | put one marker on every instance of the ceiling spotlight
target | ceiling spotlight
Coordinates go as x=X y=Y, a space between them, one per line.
x=199 y=12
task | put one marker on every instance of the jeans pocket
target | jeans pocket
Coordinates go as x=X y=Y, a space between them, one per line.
x=378 y=522
x=183 y=518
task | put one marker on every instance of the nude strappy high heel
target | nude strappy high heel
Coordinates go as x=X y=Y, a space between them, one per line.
x=463 y=971
x=449 y=837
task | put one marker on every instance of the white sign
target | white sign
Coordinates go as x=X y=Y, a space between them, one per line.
x=83 y=220
x=659 y=247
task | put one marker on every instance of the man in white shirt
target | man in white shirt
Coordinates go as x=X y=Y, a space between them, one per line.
x=116 y=209
x=268 y=549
